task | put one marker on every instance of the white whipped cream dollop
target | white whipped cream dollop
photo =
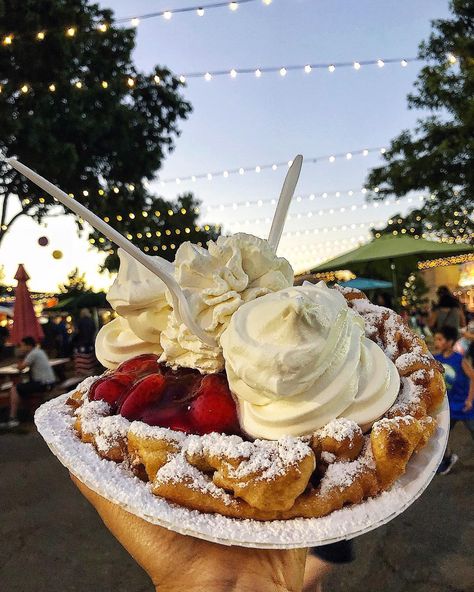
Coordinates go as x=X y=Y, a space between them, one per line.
x=217 y=281
x=116 y=343
x=298 y=358
x=139 y=298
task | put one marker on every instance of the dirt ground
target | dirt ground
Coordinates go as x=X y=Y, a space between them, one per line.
x=52 y=540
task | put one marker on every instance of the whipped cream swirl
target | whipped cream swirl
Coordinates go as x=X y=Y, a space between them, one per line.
x=116 y=342
x=298 y=358
x=217 y=281
x=139 y=298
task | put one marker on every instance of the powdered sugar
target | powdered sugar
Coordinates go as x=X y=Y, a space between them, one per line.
x=84 y=386
x=111 y=431
x=143 y=430
x=90 y=414
x=342 y=474
x=339 y=429
x=328 y=457
x=178 y=470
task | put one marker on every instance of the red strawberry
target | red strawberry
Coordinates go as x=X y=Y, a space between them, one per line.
x=110 y=388
x=140 y=366
x=213 y=409
x=174 y=418
x=145 y=393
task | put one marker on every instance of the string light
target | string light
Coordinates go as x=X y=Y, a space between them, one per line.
x=209 y=75
x=233 y=6
x=7 y=40
x=200 y=11
x=307 y=68
x=40 y=35
x=445 y=261
x=300 y=198
x=167 y=15
x=273 y=166
x=70 y=32
x=321 y=212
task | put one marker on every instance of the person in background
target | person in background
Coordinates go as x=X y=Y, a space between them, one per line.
x=41 y=378
x=447 y=312
x=63 y=348
x=85 y=360
x=4 y=335
x=459 y=378
x=85 y=331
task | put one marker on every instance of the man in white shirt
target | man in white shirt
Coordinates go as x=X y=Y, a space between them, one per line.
x=41 y=378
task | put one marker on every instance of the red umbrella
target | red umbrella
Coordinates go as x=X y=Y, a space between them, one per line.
x=25 y=322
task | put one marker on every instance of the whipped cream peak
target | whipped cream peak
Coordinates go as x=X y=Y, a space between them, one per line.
x=135 y=286
x=298 y=358
x=217 y=281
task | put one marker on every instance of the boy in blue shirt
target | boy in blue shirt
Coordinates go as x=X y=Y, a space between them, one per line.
x=459 y=378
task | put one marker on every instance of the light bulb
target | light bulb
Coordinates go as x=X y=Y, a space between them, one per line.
x=78 y=84
x=233 y=6
x=167 y=15
x=130 y=82
x=40 y=36
x=8 y=40
x=404 y=63
x=307 y=69
x=102 y=27
x=241 y=171
x=282 y=71
x=332 y=158
x=365 y=152
x=233 y=73
x=348 y=156
x=225 y=174
x=135 y=22
x=356 y=66
x=200 y=11
x=104 y=84
x=258 y=73
x=182 y=79
x=52 y=87
x=331 y=68
x=71 y=32
x=274 y=167
x=257 y=169
x=380 y=63
x=208 y=76
x=157 y=79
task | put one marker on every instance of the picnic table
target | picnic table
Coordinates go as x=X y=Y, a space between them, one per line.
x=13 y=374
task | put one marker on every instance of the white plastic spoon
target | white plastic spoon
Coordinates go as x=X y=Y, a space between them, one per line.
x=286 y=195
x=154 y=264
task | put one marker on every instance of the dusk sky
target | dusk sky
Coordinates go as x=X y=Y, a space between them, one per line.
x=248 y=121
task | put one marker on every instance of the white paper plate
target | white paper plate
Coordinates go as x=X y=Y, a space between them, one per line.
x=118 y=485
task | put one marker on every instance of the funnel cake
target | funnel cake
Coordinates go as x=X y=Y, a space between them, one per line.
x=293 y=476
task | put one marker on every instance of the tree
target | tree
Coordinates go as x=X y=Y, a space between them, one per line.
x=74 y=107
x=438 y=156
x=75 y=284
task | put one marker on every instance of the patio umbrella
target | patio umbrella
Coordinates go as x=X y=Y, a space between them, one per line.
x=25 y=322
x=361 y=283
x=392 y=249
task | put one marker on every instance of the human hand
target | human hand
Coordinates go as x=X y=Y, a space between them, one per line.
x=176 y=562
x=467 y=405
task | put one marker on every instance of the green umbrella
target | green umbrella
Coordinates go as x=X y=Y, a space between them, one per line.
x=392 y=248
